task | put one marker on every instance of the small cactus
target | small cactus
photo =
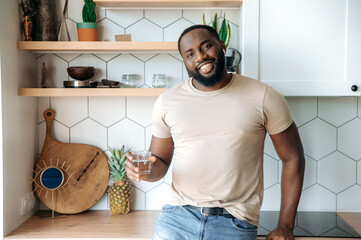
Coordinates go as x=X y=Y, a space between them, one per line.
x=89 y=11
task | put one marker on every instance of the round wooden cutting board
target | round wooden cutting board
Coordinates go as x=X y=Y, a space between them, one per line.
x=85 y=168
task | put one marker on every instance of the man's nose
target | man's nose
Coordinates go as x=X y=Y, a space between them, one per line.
x=200 y=56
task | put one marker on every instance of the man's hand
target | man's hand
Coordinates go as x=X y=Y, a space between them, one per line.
x=281 y=233
x=132 y=171
x=162 y=153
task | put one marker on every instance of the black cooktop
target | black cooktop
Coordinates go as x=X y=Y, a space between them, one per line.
x=310 y=224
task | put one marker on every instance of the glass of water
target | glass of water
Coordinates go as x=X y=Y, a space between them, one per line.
x=141 y=160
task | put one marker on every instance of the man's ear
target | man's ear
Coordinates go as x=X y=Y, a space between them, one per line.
x=223 y=46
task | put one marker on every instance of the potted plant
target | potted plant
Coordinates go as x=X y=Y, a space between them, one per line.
x=233 y=57
x=88 y=29
x=224 y=32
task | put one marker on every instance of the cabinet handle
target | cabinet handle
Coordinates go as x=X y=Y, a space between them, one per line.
x=354 y=88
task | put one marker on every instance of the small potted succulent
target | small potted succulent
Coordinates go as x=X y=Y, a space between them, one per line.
x=88 y=29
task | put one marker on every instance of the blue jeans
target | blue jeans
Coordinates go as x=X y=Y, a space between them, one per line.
x=182 y=223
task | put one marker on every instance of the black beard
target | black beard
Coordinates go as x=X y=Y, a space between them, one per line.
x=213 y=79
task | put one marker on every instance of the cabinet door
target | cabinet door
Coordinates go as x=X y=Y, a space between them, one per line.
x=303 y=47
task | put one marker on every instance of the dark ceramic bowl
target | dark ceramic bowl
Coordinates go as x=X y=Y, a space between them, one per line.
x=81 y=73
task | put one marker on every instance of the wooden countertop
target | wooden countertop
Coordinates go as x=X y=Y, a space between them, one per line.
x=136 y=225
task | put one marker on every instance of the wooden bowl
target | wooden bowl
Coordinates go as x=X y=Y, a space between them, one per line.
x=81 y=73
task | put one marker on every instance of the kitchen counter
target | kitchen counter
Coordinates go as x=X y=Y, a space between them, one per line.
x=136 y=225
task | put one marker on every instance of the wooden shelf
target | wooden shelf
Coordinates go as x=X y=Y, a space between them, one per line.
x=97 y=92
x=169 y=3
x=97 y=46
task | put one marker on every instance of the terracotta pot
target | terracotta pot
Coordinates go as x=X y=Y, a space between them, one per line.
x=87 y=31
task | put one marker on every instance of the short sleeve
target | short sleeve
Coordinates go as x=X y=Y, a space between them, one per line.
x=276 y=112
x=160 y=128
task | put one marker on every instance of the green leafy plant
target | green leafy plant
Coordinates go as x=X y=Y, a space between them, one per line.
x=224 y=32
x=89 y=11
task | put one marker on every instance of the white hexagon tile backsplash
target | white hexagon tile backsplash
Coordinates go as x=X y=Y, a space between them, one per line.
x=330 y=128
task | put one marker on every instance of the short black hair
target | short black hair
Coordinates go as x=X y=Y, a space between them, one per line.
x=210 y=29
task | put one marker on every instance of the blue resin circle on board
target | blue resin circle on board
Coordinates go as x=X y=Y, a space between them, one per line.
x=52 y=178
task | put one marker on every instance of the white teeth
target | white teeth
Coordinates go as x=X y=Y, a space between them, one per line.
x=204 y=66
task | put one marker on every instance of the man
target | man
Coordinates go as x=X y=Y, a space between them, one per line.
x=216 y=122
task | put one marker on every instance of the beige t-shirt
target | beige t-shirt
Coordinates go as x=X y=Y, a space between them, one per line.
x=219 y=142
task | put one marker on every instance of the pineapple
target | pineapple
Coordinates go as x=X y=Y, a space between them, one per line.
x=119 y=198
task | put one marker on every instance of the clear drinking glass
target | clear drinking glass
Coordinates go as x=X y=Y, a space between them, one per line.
x=159 y=81
x=141 y=160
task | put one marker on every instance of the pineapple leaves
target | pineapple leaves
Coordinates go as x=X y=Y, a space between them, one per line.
x=117 y=163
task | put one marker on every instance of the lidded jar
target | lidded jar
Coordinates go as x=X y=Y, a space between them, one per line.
x=159 y=81
x=129 y=80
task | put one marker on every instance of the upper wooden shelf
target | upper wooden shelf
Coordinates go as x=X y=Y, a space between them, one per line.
x=97 y=46
x=94 y=92
x=169 y=3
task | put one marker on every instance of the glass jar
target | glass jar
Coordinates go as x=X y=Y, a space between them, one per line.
x=129 y=80
x=159 y=81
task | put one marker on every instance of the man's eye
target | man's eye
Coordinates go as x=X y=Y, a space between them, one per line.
x=206 y=46
x=189 y=55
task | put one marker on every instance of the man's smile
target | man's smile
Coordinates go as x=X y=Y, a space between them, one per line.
x=206 y=66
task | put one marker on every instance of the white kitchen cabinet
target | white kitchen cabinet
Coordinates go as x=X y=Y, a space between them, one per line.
x=304 y=47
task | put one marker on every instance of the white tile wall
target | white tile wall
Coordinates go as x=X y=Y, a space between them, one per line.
x=349 y=139
x=350 y=200
x=319 y=138
x=89 y=132
x=102 y=109
x=170 y=66
x=270 y=173
x=317 y=198
x=336 y=172
x=302 y=110
x=126 y=64
x=145 y=30
x=330 y=128
x=163 y=17
x=337 y=110
x=272 y=198
x=108 y=30
x=124 y=18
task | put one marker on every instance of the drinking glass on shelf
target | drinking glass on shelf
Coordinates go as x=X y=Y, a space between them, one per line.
x=159 y=81
x=141 y=160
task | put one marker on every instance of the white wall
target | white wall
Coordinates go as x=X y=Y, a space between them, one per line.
x=18 y=115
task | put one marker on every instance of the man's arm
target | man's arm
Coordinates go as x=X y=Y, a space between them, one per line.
x=162 y=153
x=289 y=148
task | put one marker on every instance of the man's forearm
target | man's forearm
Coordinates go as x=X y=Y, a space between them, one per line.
x=291 y=188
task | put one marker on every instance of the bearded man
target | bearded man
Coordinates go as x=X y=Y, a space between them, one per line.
x=216 y=122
